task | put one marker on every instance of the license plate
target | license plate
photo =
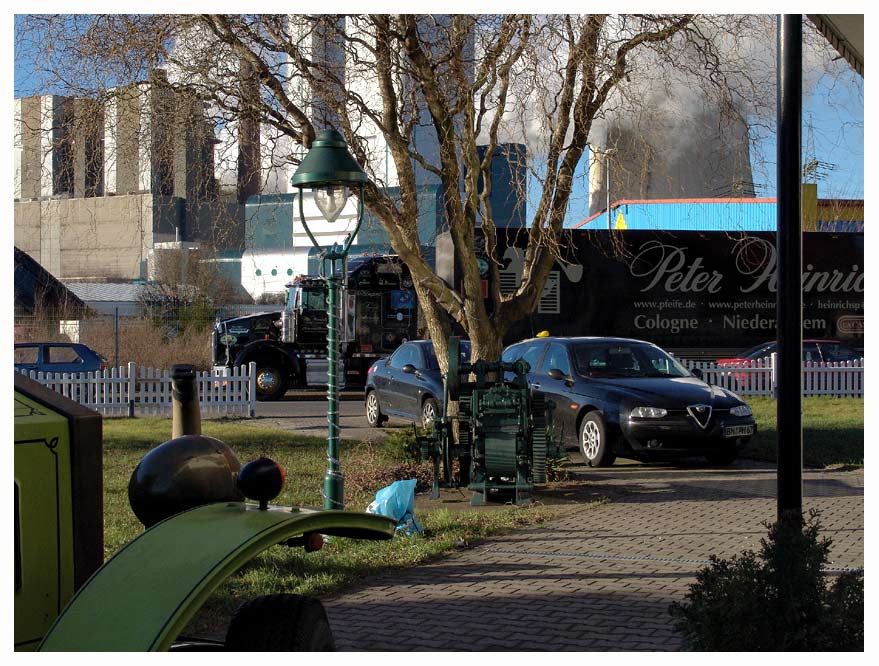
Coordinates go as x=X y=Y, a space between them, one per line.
x=738 y=431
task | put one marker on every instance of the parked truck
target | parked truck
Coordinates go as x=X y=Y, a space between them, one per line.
x=289 y=346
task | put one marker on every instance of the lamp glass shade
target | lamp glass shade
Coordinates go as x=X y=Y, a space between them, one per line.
x=330 y=199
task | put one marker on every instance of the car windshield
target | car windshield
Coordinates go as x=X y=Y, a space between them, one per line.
x=625 y=359
x=463 y=352
x=760 y=350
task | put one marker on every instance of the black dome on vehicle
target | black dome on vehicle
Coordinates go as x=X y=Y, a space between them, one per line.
x=181 y=474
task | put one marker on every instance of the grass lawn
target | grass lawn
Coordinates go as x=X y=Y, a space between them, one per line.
x=833 y=431
x=367 y=468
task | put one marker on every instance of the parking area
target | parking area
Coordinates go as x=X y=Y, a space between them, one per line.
x=305 y=413
x=598 y=577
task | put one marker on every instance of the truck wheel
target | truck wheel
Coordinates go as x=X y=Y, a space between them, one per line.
x=280 y=623
x=374 y=416
x=271 y=382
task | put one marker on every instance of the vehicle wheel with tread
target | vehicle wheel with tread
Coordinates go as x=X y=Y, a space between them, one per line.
x=280 y=623
x=594 y=445
x=271 y=382
x=374 y=416
x=429 y=411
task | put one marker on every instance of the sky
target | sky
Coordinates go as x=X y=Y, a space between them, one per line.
x=833 y=133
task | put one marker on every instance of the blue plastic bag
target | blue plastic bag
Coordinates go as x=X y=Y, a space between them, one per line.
x=397 y=501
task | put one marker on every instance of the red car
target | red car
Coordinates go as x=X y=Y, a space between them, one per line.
x=826 y=351
x=814 y=350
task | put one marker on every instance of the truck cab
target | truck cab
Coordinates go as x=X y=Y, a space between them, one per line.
x=378 y=313
x=305 y=313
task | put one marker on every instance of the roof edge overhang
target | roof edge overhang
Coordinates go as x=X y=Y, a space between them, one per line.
x=845 y=32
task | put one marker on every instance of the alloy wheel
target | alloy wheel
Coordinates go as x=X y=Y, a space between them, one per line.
x=591 y=440
x=428 y=413
x=372 y=408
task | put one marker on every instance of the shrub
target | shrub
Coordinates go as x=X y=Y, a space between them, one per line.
x=403 y=445
x=147 y=345
x=777 y=600
x=379 y=465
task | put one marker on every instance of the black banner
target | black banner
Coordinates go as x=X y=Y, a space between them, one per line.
x=689 y=290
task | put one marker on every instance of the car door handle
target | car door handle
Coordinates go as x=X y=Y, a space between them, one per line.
x=535 y=385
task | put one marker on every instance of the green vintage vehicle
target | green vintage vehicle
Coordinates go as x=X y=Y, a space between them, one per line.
x=67 y=599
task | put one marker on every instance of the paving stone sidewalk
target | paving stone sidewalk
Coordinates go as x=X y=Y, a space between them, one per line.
x=597 y=578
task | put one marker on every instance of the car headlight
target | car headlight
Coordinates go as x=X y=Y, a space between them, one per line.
x=741 y=410
x=648 y=412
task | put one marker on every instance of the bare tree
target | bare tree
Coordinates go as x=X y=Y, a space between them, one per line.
x=462 y=81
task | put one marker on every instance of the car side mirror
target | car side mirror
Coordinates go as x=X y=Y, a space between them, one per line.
x=697 y=373
x=409 y=369
x=555 y=373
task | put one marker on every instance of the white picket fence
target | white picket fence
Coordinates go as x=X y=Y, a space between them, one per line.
x=758 y=377
x=132 y=391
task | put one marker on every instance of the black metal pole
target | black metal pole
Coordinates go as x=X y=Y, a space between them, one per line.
x=789 y=242
x=116 y=334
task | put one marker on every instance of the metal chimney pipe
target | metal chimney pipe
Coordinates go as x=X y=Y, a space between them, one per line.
x=185 y=410
x=607 y=153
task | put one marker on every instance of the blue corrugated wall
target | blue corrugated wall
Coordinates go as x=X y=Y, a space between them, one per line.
x=758 y=215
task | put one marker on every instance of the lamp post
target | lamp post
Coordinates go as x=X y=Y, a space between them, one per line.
x=330 y=170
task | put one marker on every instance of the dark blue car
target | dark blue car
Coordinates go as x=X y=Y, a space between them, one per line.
x=57 y=357
x=620 y=397
x=408 y=384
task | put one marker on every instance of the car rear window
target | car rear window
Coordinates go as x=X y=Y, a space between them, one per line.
x=26 y=354
x=61 y=354
x=835 y=352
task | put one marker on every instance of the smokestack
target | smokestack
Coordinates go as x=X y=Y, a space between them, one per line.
x=597 y=179
x=185 y=410
x=248 y=136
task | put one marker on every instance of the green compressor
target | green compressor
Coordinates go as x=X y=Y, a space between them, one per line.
x=504 y=432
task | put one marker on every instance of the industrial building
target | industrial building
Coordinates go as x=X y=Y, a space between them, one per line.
x=728 y=214
x=100 y=187
x=100 y=190
x=277 y=246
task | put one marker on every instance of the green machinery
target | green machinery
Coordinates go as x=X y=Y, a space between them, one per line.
x=58 y=531
x=504 y=432
x=190 y=494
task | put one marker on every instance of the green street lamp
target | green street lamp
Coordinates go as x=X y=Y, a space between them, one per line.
x=330 y=170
